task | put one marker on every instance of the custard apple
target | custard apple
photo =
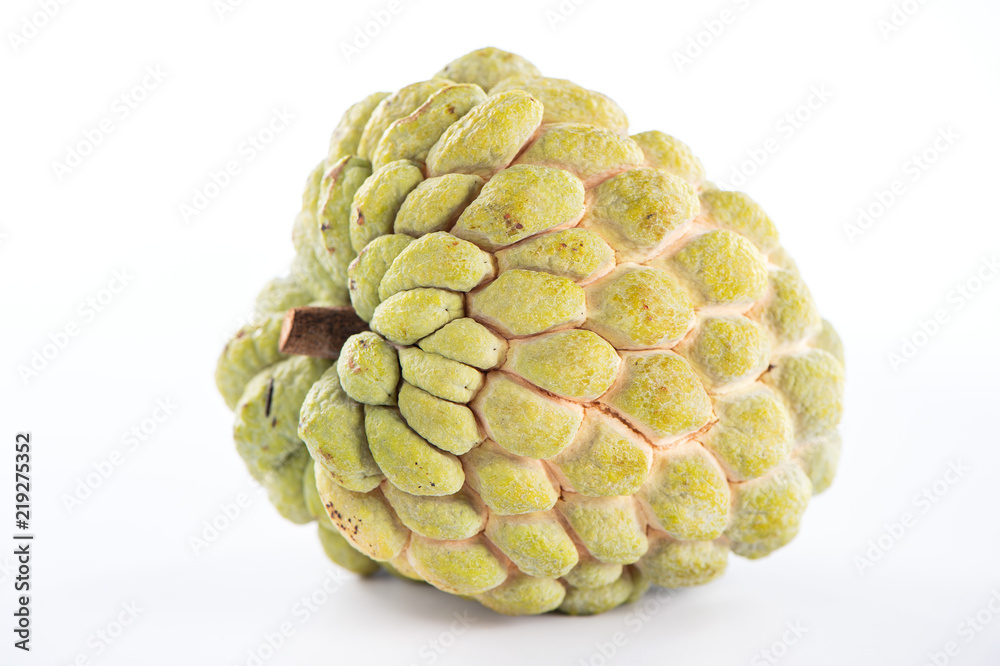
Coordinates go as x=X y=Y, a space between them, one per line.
x=568 y=367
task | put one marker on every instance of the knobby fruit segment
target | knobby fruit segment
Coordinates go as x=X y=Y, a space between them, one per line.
x=529 y=358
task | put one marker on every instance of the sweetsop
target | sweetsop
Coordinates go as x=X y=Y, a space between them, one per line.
x=545 y=363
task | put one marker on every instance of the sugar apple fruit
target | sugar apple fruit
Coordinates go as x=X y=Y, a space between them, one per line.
x=576 y=368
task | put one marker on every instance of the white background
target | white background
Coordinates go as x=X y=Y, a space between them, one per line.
x=190 y=283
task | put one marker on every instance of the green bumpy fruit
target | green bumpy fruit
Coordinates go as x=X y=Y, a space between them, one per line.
x=587 y=369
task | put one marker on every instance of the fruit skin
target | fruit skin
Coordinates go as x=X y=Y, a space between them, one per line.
x=587 y=371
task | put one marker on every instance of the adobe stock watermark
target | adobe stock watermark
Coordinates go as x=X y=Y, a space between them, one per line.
x=912 y=170
x=785 y=128
x=435 y=647
x=773 y=653
x=377 y=22
x=121 y=108
x=218 y=180
x=956 y=300
x=899 y=15
x=8 y=568
x=301 y=613
x=31 y=25
x=968 y=630
x=698 y=43
x=645 y=609
x=86 y=312
x=223 y=8
x=131 y=440
x=228 y=513
x=110 y=633
x=922 y=502
x=560 y=12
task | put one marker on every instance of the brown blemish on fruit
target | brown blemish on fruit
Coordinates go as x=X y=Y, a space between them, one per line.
x=270 y=396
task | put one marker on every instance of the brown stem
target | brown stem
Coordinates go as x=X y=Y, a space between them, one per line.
x=318 y=332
